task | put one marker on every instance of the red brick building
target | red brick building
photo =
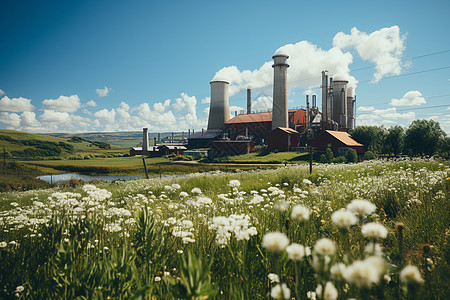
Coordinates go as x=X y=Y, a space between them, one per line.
x=282 y=139
x=258 y=125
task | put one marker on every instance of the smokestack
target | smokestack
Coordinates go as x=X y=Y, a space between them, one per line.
x=280 y=107
x=325 y=102
x=307 y=113
x=350 y=108
x=145 y=141
x=314 y=101
x=249 y=101
x=219 y=111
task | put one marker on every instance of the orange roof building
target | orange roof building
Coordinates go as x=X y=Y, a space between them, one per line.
x=337 y=141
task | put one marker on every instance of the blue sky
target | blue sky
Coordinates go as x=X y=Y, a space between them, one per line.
x=76 y=66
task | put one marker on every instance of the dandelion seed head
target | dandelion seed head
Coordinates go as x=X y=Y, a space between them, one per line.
x=275 y=241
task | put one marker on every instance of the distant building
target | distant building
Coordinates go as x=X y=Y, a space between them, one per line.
x=258 y=125
x=171 y=149
x=338 y=141
x=225 y=148
x=136 y=151
x=282 y=139
x=204 y=139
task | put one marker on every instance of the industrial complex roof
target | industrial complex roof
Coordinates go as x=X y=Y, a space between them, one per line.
x=344 y=137
x=288 y=130
x=252 y=118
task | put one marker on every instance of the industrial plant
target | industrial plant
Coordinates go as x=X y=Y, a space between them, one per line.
x=281 y=129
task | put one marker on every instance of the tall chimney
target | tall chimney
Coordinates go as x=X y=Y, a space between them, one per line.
x=307 y=113
x=325 y=102
x=145 y=141
x=249 y=101
x=280 y=107
x=219 y=111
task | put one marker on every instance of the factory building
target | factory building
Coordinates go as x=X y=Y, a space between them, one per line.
x=283 y=139
x=258 y=126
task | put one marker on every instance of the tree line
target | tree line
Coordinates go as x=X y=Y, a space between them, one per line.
x=421 y=137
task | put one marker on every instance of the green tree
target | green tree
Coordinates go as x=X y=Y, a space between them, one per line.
x=351 y=156
x=372 y=137
x=395 y=140
x=444 y=147
x=423 y=137
x=329 y=155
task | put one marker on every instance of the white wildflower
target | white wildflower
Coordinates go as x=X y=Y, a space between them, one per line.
x=273 y=278
x=337 y=271
x=362 y=207
x=411 y=274
x=374 y=230
x=275 y=241
x=307 y=181
x=295 y=251
x=234 y=183
x=344 y=219
x=300 y=212
x=325 y=246
x=330 y=292
x=196 y=191
x=280 y=292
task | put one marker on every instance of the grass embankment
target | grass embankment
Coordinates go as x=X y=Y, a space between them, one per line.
x=265 y=157
x=163 y=238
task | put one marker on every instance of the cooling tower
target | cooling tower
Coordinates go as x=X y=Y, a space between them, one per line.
x=340 y=102
x=219 y=111
x=145 y=141
x=280 y=107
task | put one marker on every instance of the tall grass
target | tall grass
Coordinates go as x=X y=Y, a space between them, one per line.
x=162 y=238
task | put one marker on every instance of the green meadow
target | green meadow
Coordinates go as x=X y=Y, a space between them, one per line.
x=372 y=230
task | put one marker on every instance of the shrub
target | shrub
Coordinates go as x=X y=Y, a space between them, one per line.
x=369 y=155
x=351 y=156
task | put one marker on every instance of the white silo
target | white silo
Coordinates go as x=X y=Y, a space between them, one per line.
x=219 y=110
x=145 y=141
x=280 y=107
x=340 y=103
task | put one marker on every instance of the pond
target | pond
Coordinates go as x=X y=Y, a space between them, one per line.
x=64 y=177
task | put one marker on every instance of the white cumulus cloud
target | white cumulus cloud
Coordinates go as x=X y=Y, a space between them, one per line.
x=15 y=104
x=11 y=120
x=365 y=108
x=411 y=98
x=306 y=61
x=383 y=47
x=103 y=92
x=63 y=104
x=91 y=103
x=106 y=115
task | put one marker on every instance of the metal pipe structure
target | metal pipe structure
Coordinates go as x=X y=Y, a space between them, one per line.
x=219 y=111
x=350 y=108
x=145 y=141
x=330 y=107
x=249 y=101
x=325 y=101
x=280 y=107
x=307 y=115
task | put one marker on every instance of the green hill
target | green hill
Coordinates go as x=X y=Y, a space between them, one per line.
x=29 y=145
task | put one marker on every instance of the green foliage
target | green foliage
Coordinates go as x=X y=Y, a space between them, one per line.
x=329 y=155
x=351 y=156
x=339 y=160
x=423 y=137
x=372 y=137
x=395 y=140
x=369 y=155
x=195 y=282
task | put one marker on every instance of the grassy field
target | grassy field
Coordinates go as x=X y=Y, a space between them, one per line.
x=270 y=157
x=246 y=235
